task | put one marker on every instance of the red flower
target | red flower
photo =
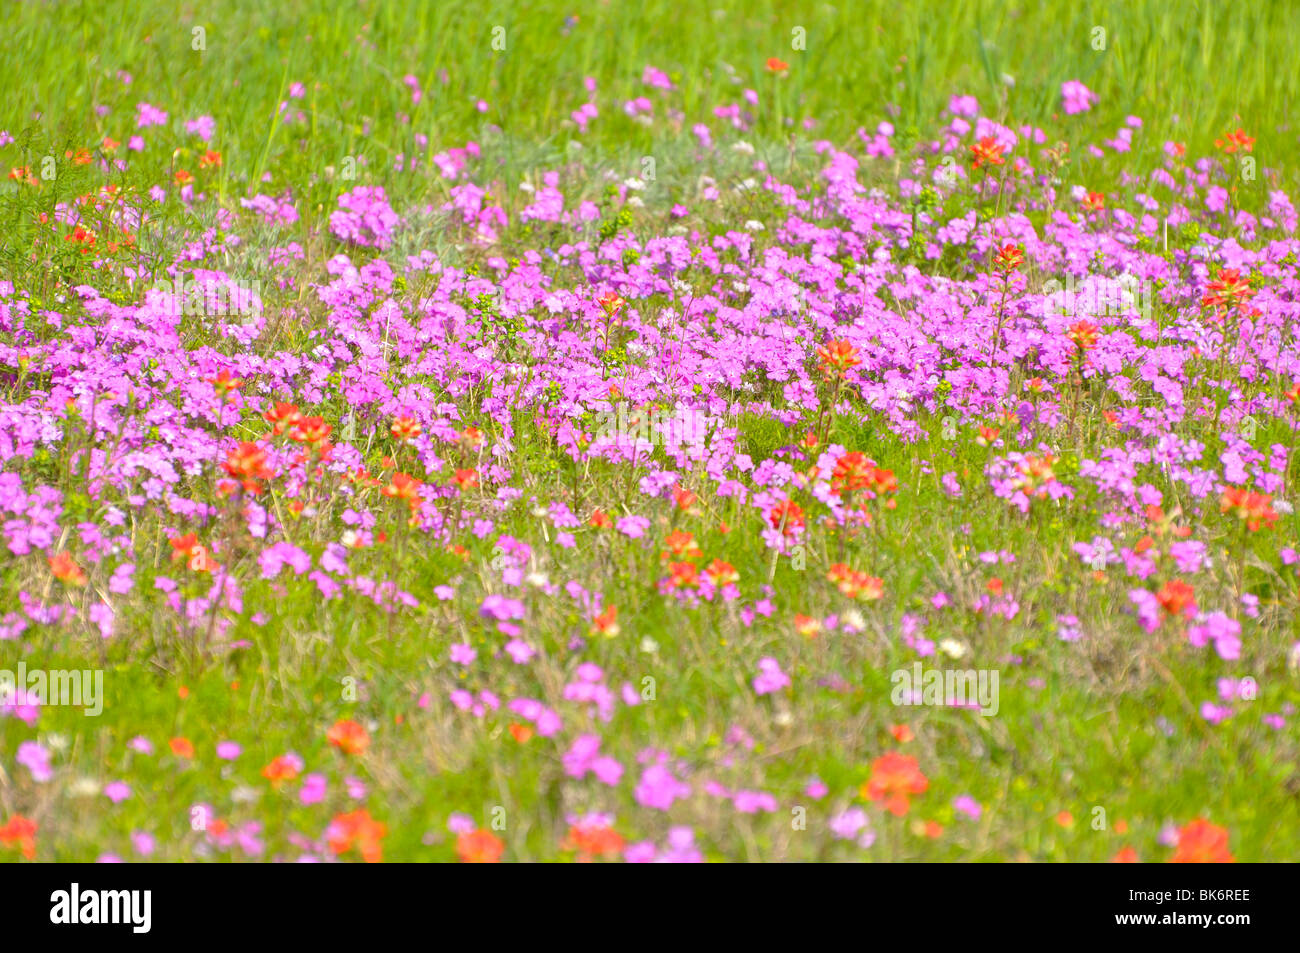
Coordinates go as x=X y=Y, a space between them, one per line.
x=775 y=65
x=1201 y=842
x=1234 y=141
x=479 y=847
x=357 y=829
x=787 y=516
x=1228 y=291
x=282 y=417
x=1177 y=598
x=1009 y=258
x=310 y=430
x=593 y=840
x=838 y=356
x=66 y=570
x=247 y=464
x=988 y=151
x=223 y=383
x=721 y=573
x=1084 y=334
x=348 y=736
x=1255 y=508
x=406 y=429
x=606 y=623
x=19 y=832
x=894 y=777
x=610 y=303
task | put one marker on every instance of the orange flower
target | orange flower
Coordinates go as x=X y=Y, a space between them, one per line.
x=1177 y=598
x=683 y=575
x=182 y=747
x=19 y=832
x=357 y=829
x=721 y=573
x=406 y=429
x=247 y=462
x=1094 y=201
x=902 y=733
x=1126 y=855
x=775 y=65
x=283 y=768
x=610 y=303
x=403 y=486
x=853 y=471
x=472 y=438
x=1201 y=842
x=593 y=840
x=188 y=550
x=1234 y=141
x=600 y=520
x=988 y=151
x=184 y=177
x=787 y=516
x=1228 y=291
x=1009 y=258
x=894 y=777
x=66 y=570
x=1256 y=509
x=210 y=159
x=521 y=733
x=1084 y=335
x=479 y=847
x=223 y=383
x=348 y=736
x=682 y=497
x=855 y=584
x=310 y=430
x=838 y=356
x=282 y=417
x=681 y=545
x=1065 y=819
x=607 y=622
x=987 y=435
x=466 y=479
x=807 y=626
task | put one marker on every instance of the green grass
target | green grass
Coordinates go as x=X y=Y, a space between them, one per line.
x=1078 y=730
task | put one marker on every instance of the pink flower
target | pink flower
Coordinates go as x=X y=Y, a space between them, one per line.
x=659 y=789
x=770 y=678
x=1076 y=98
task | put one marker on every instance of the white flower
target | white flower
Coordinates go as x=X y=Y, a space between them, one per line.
x=754 y=225
x=952 y=648
x=744 y=147
x=84 y=787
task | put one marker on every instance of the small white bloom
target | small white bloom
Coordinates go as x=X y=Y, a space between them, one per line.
x=952 y=648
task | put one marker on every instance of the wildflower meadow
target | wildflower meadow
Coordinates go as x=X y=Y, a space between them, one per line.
x=629 y=432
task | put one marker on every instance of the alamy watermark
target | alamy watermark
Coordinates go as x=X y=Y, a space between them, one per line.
x=958 y=688
x=79 y=688
x=1099 y=296
x=671 y=427
x=215 y=297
